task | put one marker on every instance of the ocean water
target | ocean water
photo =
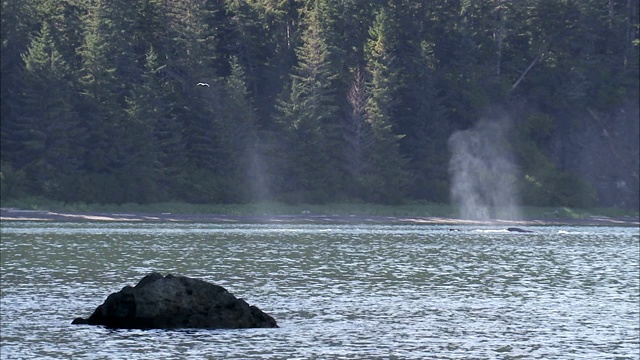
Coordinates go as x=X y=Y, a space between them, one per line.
x=337 y=291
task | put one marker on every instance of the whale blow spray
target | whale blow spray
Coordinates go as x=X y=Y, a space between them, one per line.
x=483 y=173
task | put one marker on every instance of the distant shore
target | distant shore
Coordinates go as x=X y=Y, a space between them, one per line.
x=10 y=214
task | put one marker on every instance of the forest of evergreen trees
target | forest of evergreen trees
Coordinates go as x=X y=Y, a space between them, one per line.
x=308 y=100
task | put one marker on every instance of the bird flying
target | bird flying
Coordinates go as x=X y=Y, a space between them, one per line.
x=203 y=84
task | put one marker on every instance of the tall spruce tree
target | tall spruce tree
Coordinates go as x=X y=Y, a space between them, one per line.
x=386 y=178
x=65 y=21
x=239 y=137
x=46 y=133
x=427 y=128
x=17 y=20
x=263 y=37
x=107 y=74
x=144 y=112
x=309 y=118
x=193 y=57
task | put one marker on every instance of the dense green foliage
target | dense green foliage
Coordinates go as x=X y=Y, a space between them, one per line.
x=307 y=100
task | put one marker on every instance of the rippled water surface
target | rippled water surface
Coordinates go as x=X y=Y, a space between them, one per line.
x=337 y=291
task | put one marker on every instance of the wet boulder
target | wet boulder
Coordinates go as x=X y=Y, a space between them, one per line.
x=169 y=302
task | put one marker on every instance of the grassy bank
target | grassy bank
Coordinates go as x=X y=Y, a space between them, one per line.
x=417 y=209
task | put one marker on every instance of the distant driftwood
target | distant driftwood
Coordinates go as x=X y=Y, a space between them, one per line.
x=166 y=302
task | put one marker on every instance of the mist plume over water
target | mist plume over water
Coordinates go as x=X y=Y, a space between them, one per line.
x=483 y=173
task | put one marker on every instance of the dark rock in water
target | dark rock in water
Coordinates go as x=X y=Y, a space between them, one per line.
x=166 y=302
x=515 y=229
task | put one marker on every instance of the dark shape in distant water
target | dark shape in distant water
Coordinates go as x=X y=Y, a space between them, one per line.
x=515 y=229
x=170 y=302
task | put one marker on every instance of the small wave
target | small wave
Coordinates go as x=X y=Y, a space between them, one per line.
x=571 y=232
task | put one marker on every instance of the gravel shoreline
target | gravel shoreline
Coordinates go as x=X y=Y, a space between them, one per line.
x=10 y=214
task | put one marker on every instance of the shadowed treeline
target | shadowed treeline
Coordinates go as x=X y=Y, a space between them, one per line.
x=219 y=102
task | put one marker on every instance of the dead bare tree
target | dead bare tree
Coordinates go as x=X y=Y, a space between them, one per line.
x=356 y=125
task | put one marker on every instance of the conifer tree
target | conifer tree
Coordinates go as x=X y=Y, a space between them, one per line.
x=65 y=22
x=111 y=67
x=46 y=133
x=145 y=109
x=194 y=56
x=107 y=60
x=309 y=118
x=238 y=136
x=17 y=20
x=386 y=178
x=263 y=39
x=427 y=129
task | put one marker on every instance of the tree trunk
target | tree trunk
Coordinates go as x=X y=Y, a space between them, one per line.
x=524 y=73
